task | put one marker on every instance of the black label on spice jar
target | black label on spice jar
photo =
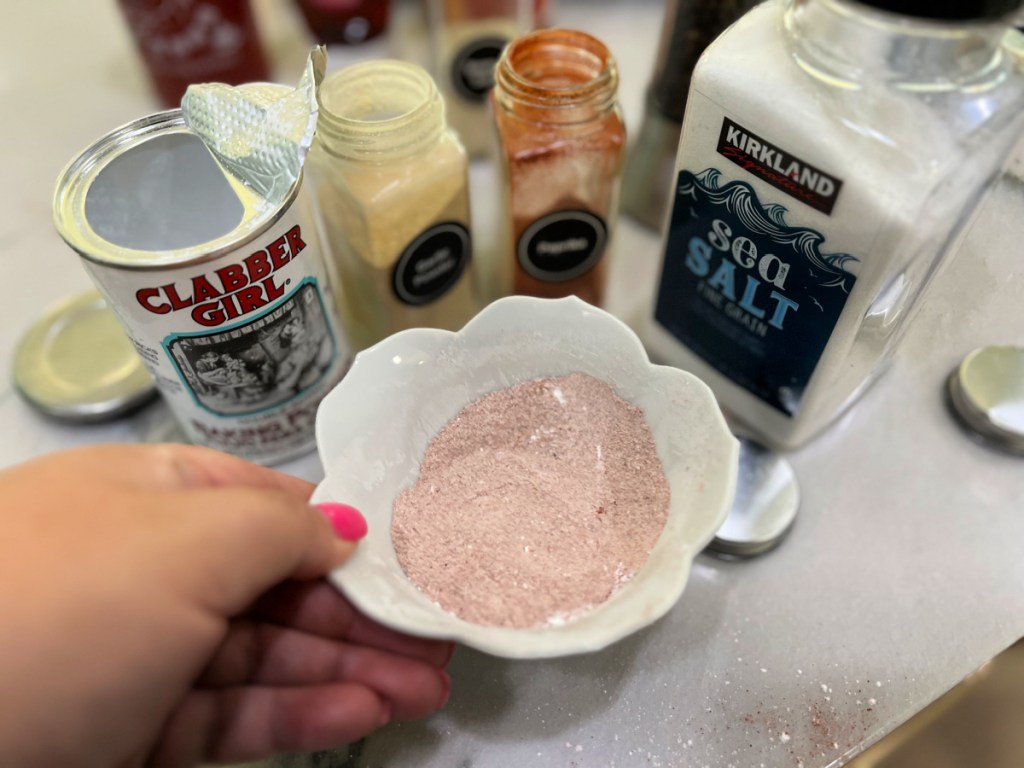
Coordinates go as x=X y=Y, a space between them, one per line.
x=782 y=170
x=562 y=245
x=432 y=263
x=473 y=67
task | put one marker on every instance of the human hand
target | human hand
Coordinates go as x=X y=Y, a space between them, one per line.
x=161 y=606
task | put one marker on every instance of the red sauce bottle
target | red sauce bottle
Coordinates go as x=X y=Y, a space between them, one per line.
x=195 y=41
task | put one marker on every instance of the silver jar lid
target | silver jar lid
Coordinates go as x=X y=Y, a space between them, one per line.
x=76 y=364
x=766 y=503
x=986 y=393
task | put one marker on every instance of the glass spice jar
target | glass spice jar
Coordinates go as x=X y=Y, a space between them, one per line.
x=561 y=139
x=391 y=180
x=467 y=37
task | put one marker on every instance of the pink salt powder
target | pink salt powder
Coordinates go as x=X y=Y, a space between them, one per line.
x=533 y=505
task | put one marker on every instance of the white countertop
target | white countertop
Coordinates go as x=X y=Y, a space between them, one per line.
x=903 y=573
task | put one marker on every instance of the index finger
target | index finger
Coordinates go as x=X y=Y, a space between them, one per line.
x=172 y=467
x=245 y=540
x=197 y=466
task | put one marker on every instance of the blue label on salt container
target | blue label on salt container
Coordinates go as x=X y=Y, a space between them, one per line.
x=751 y=295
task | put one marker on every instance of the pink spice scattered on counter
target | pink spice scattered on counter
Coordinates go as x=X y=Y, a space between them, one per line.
x=534 y=504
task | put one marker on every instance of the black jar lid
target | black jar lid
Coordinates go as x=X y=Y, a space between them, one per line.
x=947 y=10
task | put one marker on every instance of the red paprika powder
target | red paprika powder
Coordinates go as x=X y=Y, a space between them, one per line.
x=561 y=136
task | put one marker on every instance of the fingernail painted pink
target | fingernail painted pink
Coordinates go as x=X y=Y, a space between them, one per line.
x=346 y=520
x=448 y=657
x=446 y=689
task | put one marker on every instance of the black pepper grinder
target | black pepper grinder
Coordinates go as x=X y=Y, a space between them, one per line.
x=689 y=27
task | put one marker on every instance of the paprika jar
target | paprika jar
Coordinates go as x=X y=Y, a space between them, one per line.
x=561 y=139
x=391 y=180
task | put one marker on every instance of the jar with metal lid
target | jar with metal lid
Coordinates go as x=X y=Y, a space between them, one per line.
x=392 y=183
x=561 y=138
x=831 y=152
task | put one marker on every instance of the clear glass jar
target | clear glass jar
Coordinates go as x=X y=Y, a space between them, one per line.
x=831 y=151
x=467 y=37
x=561 y=138
x=392 y=184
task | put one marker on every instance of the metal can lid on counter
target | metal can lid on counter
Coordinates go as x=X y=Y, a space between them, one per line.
x=765 y=507
x=986 y=394
x=76 y=364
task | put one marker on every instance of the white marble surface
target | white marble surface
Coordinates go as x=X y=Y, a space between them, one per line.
x=903 y=573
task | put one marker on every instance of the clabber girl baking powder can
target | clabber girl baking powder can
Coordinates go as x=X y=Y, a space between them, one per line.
x=226 y=296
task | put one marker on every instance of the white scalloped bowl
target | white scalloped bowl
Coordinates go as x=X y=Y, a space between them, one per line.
x=373 y=429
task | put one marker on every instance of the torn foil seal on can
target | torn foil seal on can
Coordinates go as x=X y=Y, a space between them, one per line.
x=260 y=133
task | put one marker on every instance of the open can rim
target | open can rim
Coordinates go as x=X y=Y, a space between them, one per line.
x=78 y=175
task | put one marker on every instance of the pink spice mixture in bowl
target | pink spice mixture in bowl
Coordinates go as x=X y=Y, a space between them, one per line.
x=376 y=434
